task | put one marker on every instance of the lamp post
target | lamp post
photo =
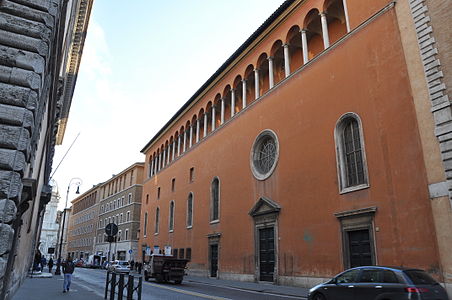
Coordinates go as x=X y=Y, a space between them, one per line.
x=76 y=181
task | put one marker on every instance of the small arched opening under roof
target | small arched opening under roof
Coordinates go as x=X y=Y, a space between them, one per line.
x=313 y=26
x=250 y=90
x=337 y=26
x=238 y=91
x=264 y=84
x=293 y=39
x=209 y=116
x=227 y=102
x=217 y=106
x=277 y=52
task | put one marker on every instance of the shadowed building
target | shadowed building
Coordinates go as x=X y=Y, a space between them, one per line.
x=310 y=150
x=41 y=43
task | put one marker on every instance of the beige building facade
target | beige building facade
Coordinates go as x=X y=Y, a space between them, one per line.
x=120 y=203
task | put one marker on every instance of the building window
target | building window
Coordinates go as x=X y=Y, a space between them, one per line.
x=264 y=154
x=130 y=198
x=145 y=225
x=351 y=158
x=171 y=217
x=181 y=252
x=192 y=174
x=121 y=219
x=147 y=199
x=119 y=235
x=126 y=237
x=128 y=216
x=215 y=200
x=190 y=210
x=175 y=252
x=173 y=184
x=188 y=254
x=158 y=193
x=157 y=216
x=122 y=200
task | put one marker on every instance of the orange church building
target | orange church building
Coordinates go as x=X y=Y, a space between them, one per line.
x=301 y=156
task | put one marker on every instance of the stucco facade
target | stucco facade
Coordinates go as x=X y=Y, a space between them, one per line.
x=317 y=79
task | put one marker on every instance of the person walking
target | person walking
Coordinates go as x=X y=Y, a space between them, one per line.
x=50 y=264
x=68 y=269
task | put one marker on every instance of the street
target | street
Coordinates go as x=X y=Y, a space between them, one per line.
x=94 y=279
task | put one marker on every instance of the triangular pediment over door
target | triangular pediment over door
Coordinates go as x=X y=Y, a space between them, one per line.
x=264 y=206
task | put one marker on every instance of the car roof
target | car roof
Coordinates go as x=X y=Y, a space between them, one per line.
x=393 y=268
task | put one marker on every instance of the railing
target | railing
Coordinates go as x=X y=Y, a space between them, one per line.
x=115 y=286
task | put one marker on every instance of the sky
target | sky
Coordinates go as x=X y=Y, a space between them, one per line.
x=142 y=61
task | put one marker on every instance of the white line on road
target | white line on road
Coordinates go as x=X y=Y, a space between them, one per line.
x=186 y=292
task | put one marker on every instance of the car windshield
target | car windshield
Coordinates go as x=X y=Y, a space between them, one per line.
x=123 y=263
x=420 y=277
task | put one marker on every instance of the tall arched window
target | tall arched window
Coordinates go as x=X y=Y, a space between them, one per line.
x=190 y=210
x=157 y=216
x=145 y=225
x=351 y=158
x=171 y=216
x=215 y=200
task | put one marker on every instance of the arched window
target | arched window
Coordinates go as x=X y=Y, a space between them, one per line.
x=171 y=217
x=145 y=225
x=215 y=200
x=351 y=158
x=157 y=216
x=190 y=210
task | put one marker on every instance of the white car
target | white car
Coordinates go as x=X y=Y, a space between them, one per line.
x=120 y=266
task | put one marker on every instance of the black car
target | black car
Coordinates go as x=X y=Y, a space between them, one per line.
x=379 y=283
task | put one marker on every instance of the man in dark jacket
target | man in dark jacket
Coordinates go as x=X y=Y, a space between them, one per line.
x=68 y=269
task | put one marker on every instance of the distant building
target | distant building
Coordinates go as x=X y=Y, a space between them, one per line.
x=120 y=203
x=49 y=231
x=41 y=44
x=322 y=143
x=81 y=230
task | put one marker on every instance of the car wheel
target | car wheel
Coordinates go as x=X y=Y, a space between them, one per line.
x=319 y=297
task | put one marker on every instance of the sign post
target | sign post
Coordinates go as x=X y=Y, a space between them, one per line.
x=111 y=230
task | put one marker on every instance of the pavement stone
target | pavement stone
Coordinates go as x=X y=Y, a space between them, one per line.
x=48 y=288
x=252 y=286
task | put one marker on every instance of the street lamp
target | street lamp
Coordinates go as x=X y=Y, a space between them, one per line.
x=76 y=181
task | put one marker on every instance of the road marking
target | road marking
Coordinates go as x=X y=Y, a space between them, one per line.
x=186 y=292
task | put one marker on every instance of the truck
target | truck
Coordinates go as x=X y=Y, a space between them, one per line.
x=165 y=268
x=94 y=261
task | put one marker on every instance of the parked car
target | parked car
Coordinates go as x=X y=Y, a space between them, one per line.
x=379 y=283
x=119 y=266
x=79 y=263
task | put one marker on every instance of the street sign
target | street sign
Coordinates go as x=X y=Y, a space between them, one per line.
x=130 y=251
x=111 y=229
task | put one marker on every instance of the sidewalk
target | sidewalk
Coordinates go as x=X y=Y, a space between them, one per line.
x=251 y=286
x=48 y=287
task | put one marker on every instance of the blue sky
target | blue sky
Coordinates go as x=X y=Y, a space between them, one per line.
x=142 y=61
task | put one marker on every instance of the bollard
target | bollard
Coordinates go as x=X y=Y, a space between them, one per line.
x=121 y=286
x=130 y=284
x=140 y=283
x=112 y=286
x=106 y=284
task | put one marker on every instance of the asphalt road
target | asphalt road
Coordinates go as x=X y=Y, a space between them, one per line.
x=94 y=280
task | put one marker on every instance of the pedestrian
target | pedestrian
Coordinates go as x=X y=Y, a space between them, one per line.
x=37 y=260
x=43 y=262
x=140 y=265
x=68 y=269
x=132 y=265
x=50 y=264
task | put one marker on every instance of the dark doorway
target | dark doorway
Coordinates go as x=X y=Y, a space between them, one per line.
x=213 y=260
x=360 y=248
x=266 y=254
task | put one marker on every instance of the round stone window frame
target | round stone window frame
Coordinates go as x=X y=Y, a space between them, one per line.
x=258 y=174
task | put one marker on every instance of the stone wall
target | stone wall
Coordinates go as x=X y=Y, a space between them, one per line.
x=30 y=43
